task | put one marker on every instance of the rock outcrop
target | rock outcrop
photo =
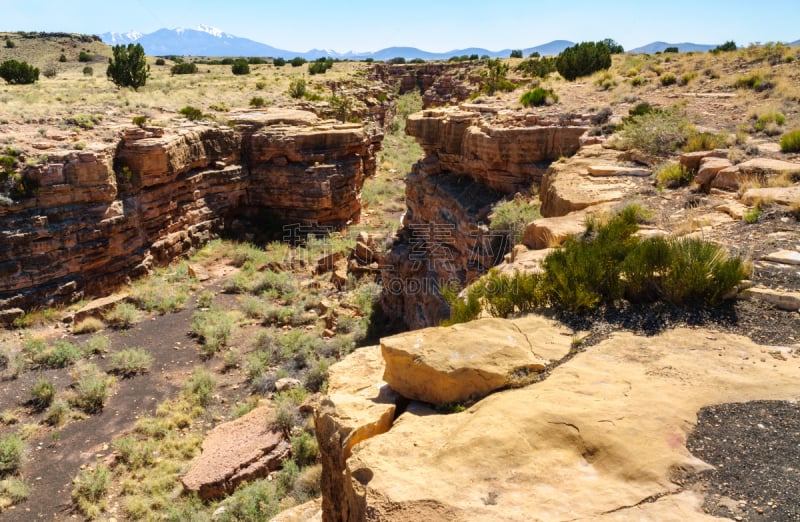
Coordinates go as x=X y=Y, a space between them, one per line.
x=241 y=450
x=102 y=216
x=602 y=437
x=475 y=156
x=439 y=83
x=450 y=365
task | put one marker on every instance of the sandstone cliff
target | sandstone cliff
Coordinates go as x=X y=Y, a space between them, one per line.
x=104 y=215
x=474 y=157
x=602 y=437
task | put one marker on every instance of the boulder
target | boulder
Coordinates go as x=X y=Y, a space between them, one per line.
x=468 y=361
x=550 y=232
x=241 y=450
x=692 y=160
x=709 y=167
x=787 y=196
x=603 y=437
x=287 y=383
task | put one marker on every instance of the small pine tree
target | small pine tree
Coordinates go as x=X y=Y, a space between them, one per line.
x=583 y=59
x=128 y=67
x=21 y=73
x=240 y=66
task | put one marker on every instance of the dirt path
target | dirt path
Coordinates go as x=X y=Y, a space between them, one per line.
x=53 y=462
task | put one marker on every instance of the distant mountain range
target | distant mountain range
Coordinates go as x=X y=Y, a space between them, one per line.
x=658 y=47
x=209 y=41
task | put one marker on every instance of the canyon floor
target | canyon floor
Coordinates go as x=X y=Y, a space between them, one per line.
x=638 y=412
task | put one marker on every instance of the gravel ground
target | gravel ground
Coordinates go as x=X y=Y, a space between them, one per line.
x=755 y=448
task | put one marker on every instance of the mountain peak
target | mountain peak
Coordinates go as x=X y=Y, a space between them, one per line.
x=210 y=30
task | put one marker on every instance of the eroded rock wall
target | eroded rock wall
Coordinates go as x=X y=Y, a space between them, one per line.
x=103 y=216
x=474 y=157
x=439 y=83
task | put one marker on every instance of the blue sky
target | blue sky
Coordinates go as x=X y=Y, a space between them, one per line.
x=432 y=25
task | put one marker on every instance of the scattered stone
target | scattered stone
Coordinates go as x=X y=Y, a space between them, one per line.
x=9 y=315
x=784 y=257
x=287 y=383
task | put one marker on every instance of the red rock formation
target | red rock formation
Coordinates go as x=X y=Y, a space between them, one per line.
x=439 y=83
x=475 y=156
x=100 y=217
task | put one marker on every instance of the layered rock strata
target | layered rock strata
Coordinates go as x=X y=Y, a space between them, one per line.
x=439 y=83
x=475 y=156
x=102 y=216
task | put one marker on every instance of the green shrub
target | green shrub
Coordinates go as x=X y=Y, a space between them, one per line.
x=278 y=62
x=494 y=78
x=84 y=56
x=134 y=452
x=91 y=388
x=184 y=68
x=191 y=113
x=213 y=328
x=752 y=215
x=672 y=175
x=10 y=43
x=464 y=309
x=320 y=66
x=96 y=344
x=258 y=500
x=583 y=59
x=57 y=413
x=668 y=79
x=14 y=490
x=698 y=141
x=88 y=71
x=790 y=142
x=62 y=354
x=90 y=488
x=754 y=81
x=700 y=272
x=18 y=73
x=42 y=393
x=88 y=325
x=686 y=78
x=11 y=450
x=512 y=216
x=728 y=46
x=768 y=121
x=297 y=61
x=257 y=102
x=537 y=67
x=155 y=294
x=130 y=361
x=200 y=387
x=297 y=88
x=160 y=61
x=537 y=97
x=637 y=81
x=123 y=315
x=304 y=449
x=657 y=132
x=240 y=67
x=128 y=67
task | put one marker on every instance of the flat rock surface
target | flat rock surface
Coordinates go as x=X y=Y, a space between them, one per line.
x=602 y=437
x=780 y=195
x=467 y=361
x=784 y=257
x=235 y=451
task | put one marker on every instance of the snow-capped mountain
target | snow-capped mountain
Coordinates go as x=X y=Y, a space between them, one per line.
x=204 y=40
x=121 y=38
